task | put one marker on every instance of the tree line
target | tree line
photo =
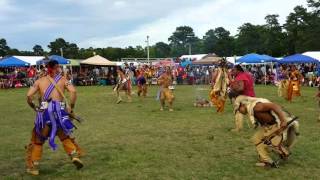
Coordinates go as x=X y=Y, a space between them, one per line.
x=298 y=34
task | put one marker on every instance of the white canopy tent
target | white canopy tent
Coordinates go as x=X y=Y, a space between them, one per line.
x=313 y=54
x=32 y=60
x=193 y=57
x=98 y=61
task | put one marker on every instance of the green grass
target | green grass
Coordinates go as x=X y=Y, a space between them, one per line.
x=137 y=141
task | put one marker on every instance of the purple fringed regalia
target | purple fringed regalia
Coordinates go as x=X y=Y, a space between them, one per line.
x=54 y=115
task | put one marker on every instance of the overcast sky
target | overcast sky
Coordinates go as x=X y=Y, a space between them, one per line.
x=121 y=23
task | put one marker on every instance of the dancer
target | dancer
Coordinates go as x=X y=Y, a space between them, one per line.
x=220 y=82
x=276 y=128
x=283 y=82
x=53 y=118
x=123 y=85
x=294 y=83
x=243 y=84
x=142 y=83
x=166 y=94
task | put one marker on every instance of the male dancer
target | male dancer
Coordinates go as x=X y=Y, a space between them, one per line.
x=52 y=118
x=166 y=94
x=294 y=83
x=220 y=81
x=276 y=128
x=142 y=83
x=123 y=84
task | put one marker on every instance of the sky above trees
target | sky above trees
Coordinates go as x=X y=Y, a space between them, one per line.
x=123 y=23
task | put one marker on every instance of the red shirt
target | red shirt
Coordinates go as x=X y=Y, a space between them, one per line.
x=31 y=73
x=247 y=82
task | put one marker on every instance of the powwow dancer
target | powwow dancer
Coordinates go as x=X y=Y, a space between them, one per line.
x=123 y=85
x=166 y=94
x=276 y=128
x=294 y=83
x=283 y=82
x=142 y=83
x=52 y=119
x=243 y=84
x=220 y=81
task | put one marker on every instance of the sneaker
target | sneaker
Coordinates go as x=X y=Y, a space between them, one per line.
x=161 y=109
x=171 y=110
x=77 y=162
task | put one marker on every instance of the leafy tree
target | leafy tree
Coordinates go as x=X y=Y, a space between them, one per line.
x=209 y=41
x=250 y=39
x=4 y=48
x=224 y=42
x=296 y=25
x=162 y=50
x=70 y=50
x=274 y=40
x=38 y=50
x=180 y=39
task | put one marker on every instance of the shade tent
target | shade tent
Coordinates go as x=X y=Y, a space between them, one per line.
x=98 y=61
x=13 y=62
x=60 y=59
x=256 y=59
x=209 y=59
x=193 y=57
x=185 y=63
x=298 y=58
x=313 y=54
x=32 y=60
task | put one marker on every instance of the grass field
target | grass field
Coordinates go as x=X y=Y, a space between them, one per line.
x=137 y=141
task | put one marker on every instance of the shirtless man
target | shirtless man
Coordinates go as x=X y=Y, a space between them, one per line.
x=166 y=94
x=141 y=83
x=276 y=128
x=52 y=118
x=124 y=84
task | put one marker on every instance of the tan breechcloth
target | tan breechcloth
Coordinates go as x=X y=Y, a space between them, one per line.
x=218 y=101
x=293 y=90
x=166 y=95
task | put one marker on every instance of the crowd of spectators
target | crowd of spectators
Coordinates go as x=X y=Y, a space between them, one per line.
x=191 y=75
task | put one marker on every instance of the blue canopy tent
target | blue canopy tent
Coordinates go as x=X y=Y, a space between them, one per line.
x=256 y=59
x=185 y=62
x=13 y=62
x=298 y=58
x=60 y=59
